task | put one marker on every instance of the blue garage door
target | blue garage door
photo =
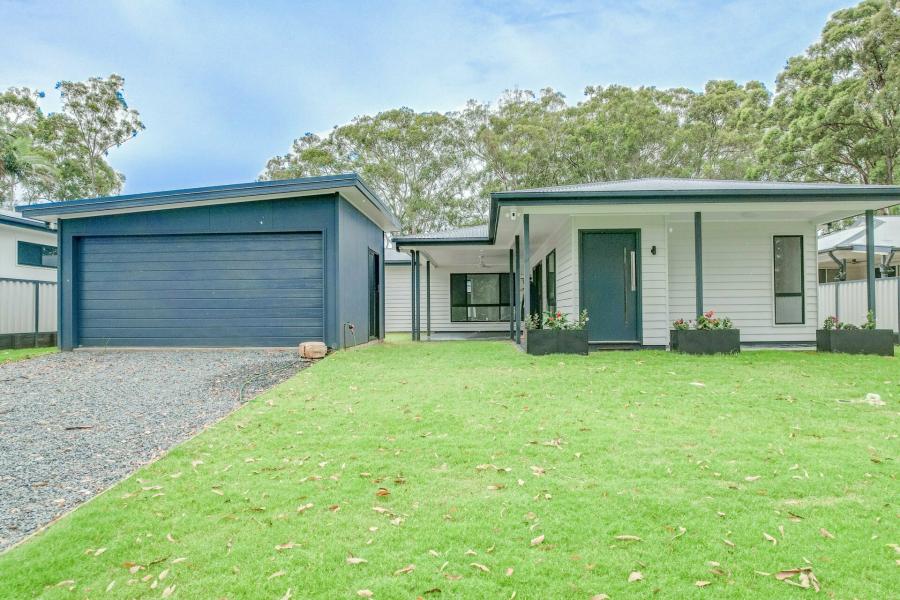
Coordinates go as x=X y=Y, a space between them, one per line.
x=200 y=290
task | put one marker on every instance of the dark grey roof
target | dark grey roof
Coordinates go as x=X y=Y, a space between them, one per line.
x=220 y=192
x=474 y=232
x=674 y=184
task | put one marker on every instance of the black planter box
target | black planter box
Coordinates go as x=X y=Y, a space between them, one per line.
x=27 y=340
x=556 y=341
x=706 y=341
x=856 y=341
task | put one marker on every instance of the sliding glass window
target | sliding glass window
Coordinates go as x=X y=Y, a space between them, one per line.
x=789 y=294
x=478 y=297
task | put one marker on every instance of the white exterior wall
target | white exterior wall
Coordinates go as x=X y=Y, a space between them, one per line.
x=566 y=284
x=738 y=277
x=397 y=298
x=9 y=267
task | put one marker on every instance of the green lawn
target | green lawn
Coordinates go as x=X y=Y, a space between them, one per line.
x=23 y=353
x=508 y=474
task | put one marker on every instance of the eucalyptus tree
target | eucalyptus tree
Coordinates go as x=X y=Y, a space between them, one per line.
x=835 y=113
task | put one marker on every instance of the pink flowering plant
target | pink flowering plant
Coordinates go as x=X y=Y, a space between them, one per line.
x=708 y=321
x=557 y=320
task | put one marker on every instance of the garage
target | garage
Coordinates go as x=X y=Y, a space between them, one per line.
x=260 y=264
x=252 y=289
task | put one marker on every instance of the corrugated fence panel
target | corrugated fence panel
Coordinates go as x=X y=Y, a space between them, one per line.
x=17 y=306
x=849 y=302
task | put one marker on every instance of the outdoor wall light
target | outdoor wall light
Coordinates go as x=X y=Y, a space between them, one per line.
x=653 y=250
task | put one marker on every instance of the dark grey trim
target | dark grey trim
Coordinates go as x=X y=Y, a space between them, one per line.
x=220 y=192
x=515 y=293
x=526 y=250
x=698 y=263
x=802 y=293
x=428 y=298
x=512 y=297
x=870 y=261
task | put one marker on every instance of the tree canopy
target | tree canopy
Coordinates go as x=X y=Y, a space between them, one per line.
x=60 y=156
x=832 y=117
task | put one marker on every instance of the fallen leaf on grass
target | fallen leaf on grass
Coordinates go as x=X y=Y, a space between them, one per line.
x=405 y=570
x=286 y=546
x=308 y=506
x=635 y=576
x=804 y=577
x=509 y=571
x=168 y=591
x=110 y=586
x=383 y=492
x=496 y=486
x=364 y=593
x=826 y=534
x=729 y=543
x=163 y=574
x=628 y=538
x=179 y=559
x=480 y=567
x=599 y=597
x=277 y=574
x=698 y=384
x=355 y=560
x=752 y=477
x=538 y=540
x=219 y=492
x=769 y=538
x=701 y=583
x=287 y=595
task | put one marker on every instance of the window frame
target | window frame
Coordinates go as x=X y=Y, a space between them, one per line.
x=802 y=294
x=21 y=243
x=499 y=304
x=551 y=306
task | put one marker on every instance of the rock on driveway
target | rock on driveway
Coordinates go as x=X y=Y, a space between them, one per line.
x=74 y=423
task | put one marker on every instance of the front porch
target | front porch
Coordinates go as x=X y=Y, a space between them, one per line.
x=636 y=263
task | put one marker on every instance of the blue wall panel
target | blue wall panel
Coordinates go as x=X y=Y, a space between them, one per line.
x=90 y=282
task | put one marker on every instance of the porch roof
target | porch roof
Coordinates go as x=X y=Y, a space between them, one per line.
x=827 y=201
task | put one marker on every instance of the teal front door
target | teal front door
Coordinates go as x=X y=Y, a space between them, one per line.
x=610 y=286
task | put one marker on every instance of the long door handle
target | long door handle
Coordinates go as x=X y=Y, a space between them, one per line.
x=625 y=284
x=633 y=273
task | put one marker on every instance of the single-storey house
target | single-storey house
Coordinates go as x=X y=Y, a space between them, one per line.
x=842 y=253
x=637 y=255
x=268 y=263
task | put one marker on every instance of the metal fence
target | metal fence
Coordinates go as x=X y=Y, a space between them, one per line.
x=848 y=301
x=27 y=312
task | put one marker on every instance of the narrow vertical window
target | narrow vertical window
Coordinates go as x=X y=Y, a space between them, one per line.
x=789 y=296
x=551 y=281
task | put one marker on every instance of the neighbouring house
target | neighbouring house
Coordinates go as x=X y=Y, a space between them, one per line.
x=842 y=253
x=27 y=248
x=267 y=263
x=637 y=255
x=28 y=259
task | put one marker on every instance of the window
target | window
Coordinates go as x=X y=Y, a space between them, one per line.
x=551 y=281
x=789 y=298
x=479 y=297
x=37 y=255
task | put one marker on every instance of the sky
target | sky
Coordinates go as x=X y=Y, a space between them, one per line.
x=224 y=86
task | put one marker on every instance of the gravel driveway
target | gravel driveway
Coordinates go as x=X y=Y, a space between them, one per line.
x=72 y=424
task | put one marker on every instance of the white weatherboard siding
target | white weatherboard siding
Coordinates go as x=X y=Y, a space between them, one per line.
x=738 y=276
x=397 y=298
x=566 y=286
